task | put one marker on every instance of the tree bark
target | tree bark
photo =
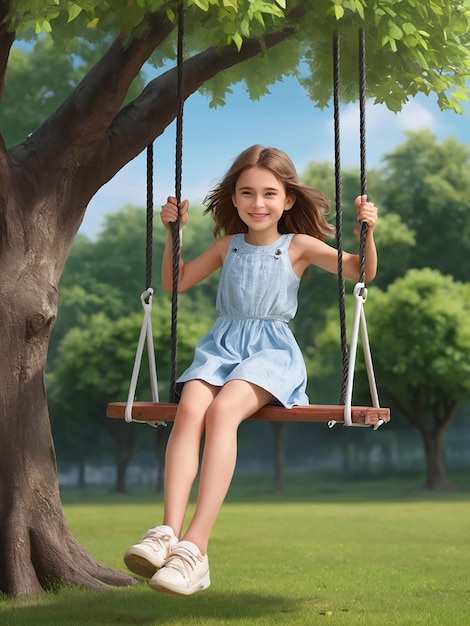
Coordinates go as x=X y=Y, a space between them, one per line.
x=45 y=185
x=37 y=550
x=433 y=440
x=436 y=474
x=126 y=443
x=432 y=420
x=161 y=439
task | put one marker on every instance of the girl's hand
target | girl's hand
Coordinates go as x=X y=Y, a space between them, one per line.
x=169 y=212
x=366 y=212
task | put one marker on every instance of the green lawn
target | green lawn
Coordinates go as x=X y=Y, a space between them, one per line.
x=369 y=552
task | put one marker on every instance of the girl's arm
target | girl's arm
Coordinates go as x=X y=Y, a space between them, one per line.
x=197 y=269
x=307 y=250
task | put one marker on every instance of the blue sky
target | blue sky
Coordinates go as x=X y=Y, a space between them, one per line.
x=286 y=119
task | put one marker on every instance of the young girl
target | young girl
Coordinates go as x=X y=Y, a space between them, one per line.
x=269 y=228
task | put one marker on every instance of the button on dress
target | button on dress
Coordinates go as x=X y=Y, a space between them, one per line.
x=251 y=339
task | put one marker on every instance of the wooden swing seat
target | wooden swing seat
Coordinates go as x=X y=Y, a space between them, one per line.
x=165 y=411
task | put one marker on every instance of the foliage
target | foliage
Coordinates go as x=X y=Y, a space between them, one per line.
x=420 y=338
x=412 y=46
x=396 y=243
x=428 y=185
x=429 y=358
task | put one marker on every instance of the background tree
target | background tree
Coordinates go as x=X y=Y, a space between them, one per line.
x=96 y=334
x=427 y=184
x=48 y=179
x=414 y=231
x=424 y=368
x=94 y=366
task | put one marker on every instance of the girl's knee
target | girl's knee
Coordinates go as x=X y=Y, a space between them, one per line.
x=220 y=414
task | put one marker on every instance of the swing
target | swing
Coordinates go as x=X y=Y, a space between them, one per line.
x=156 y=413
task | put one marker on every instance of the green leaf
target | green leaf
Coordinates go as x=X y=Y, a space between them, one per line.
x=459 y=96
x=394 y=31
x=408 y=28
x=237 y=40
x=74 y=11
x=339 y=11
x=202 y=4
x=360 y=9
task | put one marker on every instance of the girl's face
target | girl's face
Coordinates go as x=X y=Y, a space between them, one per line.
x=260 y=199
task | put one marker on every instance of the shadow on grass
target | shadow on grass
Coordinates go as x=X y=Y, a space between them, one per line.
x=142 y=607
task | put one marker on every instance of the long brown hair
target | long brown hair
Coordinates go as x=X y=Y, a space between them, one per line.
x=307 y=216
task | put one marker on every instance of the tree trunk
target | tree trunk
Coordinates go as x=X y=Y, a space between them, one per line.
x=436 y=475
x=278 y=448
x=81 y=482
x=432 y=420
x=46 y=183
x=161 y=439
x=37 y=549
x=126 y=443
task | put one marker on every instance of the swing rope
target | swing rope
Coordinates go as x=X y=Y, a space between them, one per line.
x=146 y=333
x=339 y=220
x=175 y=227
x=149 y=219
x=362 y=145
x=360 y=291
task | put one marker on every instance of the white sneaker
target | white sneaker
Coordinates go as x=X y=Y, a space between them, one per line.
x=150 y=553
x=185 y=572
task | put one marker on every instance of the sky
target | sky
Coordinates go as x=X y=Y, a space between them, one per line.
x=285 y=119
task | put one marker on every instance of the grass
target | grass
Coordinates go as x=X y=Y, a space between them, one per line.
x=328 y=552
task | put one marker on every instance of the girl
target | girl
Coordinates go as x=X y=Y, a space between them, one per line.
x=269 y=228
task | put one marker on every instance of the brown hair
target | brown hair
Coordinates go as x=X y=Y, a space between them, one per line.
x=307 y=215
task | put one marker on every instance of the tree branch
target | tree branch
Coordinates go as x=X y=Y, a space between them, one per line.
x=88 y=139
x=144 y=119
x=78 y=126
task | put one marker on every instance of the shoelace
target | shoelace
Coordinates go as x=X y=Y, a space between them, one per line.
x=157 y=536
x=183 y=561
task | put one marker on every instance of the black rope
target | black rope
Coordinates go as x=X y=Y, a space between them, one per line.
x=339 y=220
x=149 y=224
x=175 y=227
x=362 y=137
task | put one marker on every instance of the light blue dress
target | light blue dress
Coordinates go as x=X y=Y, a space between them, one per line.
x=251 y=339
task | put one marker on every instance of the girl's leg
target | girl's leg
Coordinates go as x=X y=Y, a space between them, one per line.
x=182 y=458
x=236 y=401
x=182 y=452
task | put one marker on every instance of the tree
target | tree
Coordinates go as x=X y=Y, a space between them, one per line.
x=94 y=365
x=48 y=179
x=427 y=184
x=424 y=368
x=420 y=339
x=106 y=276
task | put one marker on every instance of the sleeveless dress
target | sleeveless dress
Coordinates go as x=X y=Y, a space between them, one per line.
x=251 y=339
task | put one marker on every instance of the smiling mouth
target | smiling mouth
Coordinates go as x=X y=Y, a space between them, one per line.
x=258 y=215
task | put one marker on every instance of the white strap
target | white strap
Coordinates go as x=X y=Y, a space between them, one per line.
x=359 y=319
x=145 y=334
